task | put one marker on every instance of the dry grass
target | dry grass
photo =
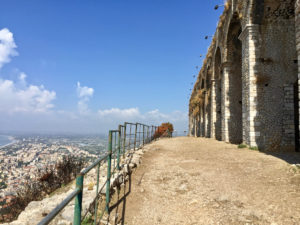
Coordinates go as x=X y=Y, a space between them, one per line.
x=91 y=186
x=196 y=111
x=227 y=6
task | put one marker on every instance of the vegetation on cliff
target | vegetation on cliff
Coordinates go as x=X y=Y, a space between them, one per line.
x=46 y=181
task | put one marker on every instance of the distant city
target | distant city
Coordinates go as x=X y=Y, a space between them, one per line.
x=27 y=155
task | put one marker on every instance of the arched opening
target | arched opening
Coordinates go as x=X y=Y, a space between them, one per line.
x=234 y=58
x=217 y=79
x=202 y=84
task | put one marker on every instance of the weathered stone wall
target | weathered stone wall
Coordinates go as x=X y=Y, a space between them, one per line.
x=253 y=85
x=276 y=71
x=297 y=25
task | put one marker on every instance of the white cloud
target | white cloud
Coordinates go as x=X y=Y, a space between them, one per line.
x=20 y=97
x=22 y=80
x=99 y=122
x=134 y=113
x=7 y=46
x=26 y=99
x=27 y=107
x=120 y=113
x=84 y=94
x=22 y=77
x=153 y=117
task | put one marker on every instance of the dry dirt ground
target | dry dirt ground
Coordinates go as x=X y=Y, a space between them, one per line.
x=202 y=181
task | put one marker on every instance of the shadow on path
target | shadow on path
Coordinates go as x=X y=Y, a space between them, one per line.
x=118 y=206
x=291 y=158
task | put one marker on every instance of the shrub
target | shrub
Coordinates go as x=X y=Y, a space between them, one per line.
x=255 y=148
x=165 y=129
x=242 y=146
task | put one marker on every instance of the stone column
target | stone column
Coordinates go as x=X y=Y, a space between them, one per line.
x=204 y=116
x=208 y=114
x=250 y=55
x=200 y=122
x=195 y=126
x=190 y=125
x=213 y=109
x=297 y=24
x=225 y=100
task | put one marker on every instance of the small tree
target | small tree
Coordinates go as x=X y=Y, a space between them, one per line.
x=164 y=130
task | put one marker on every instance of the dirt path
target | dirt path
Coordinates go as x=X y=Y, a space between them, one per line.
x=203 y=181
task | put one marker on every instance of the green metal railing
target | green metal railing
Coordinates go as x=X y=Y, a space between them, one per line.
x=130 y=136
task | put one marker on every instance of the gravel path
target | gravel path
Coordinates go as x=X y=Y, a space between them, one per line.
x=202 y=181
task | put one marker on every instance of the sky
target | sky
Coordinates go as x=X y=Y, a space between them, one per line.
x=85 y=66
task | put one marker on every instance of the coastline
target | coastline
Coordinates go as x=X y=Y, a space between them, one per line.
x=12 y=141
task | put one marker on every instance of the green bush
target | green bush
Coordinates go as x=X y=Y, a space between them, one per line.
x=255 y=148
x=87 y=220
x=242 y=146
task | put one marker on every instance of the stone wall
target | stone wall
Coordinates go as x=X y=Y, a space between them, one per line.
x=297 y=25
x=254 y=81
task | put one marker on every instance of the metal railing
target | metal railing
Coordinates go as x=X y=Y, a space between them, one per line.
x=130 y=136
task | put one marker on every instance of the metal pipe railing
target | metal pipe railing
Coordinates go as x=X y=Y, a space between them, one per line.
x=117 y=140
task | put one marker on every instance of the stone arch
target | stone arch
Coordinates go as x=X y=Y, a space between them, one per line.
x=233 y=83
x=216 y=96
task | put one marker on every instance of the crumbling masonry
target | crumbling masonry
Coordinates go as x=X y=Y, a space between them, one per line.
x=247 y=90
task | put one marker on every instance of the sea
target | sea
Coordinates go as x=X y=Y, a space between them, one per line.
x=5 y=140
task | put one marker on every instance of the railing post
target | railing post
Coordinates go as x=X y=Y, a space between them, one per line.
x=124 y=141
x=151 y=132
x=135 y=136
x=119 y=148
x=114 y=146
x=148 y=134
x=129 y=137
x=143 y=134
x=78 y=200
x=138 y=136
x=96 y=199
x=108 y=171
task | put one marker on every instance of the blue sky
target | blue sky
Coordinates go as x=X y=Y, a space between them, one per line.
x=97 y=63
